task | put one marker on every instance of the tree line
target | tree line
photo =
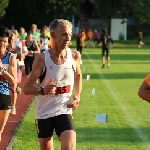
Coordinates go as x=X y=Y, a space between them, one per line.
x=25 y=12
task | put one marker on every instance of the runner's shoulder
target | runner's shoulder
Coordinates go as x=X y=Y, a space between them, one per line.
x=40 y=57
x=76 y=54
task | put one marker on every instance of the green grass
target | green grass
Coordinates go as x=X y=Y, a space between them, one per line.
x=123 y=43
x=127 y=127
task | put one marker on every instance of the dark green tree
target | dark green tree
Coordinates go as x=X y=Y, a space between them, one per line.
x=45 y=11
x=3 y=5
x=25 y=12
x=111 y=8
x=138 y=9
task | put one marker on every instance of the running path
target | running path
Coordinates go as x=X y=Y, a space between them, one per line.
x=23 y=101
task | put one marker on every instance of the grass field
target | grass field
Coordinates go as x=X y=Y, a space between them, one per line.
x=128 y=123
x=122 y=43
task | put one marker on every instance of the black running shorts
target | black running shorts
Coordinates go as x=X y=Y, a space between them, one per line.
x=45 y=127
x=5 y=102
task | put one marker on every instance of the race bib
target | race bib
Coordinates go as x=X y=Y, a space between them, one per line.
x=62 y=90
x=62 y=87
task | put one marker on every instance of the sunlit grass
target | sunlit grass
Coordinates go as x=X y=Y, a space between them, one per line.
x=122 y=43
x=127 y=127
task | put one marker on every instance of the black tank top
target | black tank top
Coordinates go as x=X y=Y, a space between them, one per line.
x=31 y=47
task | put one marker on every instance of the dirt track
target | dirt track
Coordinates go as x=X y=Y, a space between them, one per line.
x=23 y=102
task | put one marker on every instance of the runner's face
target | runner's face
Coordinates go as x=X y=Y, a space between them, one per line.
x=3 y=44
x=63 y=36
x=16 y=34
x=13 y=38
x=44 y=31
x=29 y=37
x=22 y=30
x=33 y=28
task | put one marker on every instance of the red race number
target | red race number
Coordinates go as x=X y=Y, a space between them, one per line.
x=62 y=90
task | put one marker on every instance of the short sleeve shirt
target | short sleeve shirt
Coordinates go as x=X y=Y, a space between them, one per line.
x=147 y=79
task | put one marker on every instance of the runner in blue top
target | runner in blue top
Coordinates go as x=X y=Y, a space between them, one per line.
x=8 y=74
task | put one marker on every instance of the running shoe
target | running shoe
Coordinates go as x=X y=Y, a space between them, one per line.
x=13 y=111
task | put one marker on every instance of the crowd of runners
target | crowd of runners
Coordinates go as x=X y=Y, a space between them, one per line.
x=94 y=39
x=52 y=70
x=26 y=45
x=52 y=80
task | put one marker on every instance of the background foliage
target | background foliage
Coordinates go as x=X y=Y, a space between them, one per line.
x=25 y=12
x=3 y=5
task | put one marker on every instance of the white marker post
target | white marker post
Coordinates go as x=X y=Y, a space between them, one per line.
x=88 y=77
x=85 y=69
x=93 y=91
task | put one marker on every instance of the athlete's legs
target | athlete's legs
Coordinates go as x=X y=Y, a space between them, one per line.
x=80 y=49
x=68 y=140
x=3 y=118
x=89 y=43
x=31 y=62
x=108 y=57
x=45 y=133
x=14 y=99
x=139 y=44
x=103 y=60
x=108 y=61
x=46 y=143
x=27 y=66
x=103 y=57
x=65 y=130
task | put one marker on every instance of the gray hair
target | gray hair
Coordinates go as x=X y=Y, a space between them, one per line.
x=57 y=22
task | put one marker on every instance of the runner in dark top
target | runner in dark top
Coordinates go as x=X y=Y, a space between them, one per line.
x=105 y=39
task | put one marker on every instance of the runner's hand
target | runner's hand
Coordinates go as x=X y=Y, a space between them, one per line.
x=31 y=52
x=74 y=105
x=50 y=88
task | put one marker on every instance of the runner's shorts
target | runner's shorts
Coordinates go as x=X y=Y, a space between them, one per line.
x=5 y=102
x=45 y=127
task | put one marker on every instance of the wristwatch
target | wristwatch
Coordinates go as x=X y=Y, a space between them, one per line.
x=2 y=70
x=40 y=90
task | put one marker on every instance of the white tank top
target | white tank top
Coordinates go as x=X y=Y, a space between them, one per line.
x=63 y=75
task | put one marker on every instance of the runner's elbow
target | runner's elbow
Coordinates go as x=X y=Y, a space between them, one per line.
x=25 y=90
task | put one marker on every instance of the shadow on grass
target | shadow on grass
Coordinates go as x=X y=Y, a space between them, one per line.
x=121 y=57
x=131 y=57
x=128 y=75
x=130 y=62
x=108 y=135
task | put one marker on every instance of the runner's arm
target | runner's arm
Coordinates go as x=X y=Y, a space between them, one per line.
x=144 y=91
x=37 y=69
x=11 y=74
x=77 y=81
x=78 y=74
x=37 y=48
